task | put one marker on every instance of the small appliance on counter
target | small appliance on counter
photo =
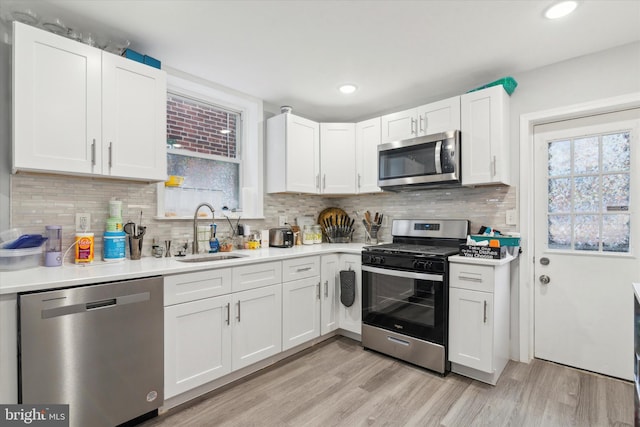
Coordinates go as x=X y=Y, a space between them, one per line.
x=281 y=237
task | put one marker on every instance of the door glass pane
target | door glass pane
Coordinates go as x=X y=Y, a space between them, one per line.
x=615 y=233
x=589 y=189
x=587 y=233
x=615 y=152
x=559 y=232
x=586 y=155
x=560 y=195
x=559 y=158
x=587 y=195
x=615 y=192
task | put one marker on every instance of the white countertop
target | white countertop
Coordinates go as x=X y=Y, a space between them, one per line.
x=481 y=261
x=40 y=278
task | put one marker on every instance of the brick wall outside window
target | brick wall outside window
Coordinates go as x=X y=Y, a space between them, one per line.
x=196 y=126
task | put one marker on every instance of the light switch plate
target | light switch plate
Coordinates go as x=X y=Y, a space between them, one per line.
x=512 y=217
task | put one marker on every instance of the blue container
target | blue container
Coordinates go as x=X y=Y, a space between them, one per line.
x=151 y=61
x=114 y=246
x=132 y=54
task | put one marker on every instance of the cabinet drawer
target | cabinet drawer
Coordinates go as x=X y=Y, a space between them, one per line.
x=198 y=285
x=256 y=276
x=473 y=277
x=300 y=268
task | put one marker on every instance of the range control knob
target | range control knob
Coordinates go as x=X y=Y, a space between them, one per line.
x=377 y=260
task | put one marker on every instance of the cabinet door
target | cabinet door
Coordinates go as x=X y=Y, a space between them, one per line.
x=485 y=137
x=439 y=116
x=197 y=343
x=350 y=318
x=56 y=103
x=338 y=158
x=400 y=125
x=367 y=141
x=257 y=325
x=134 y=119
x=302 y=155
x=329 y=278
x=300 y=311
x=471 y=328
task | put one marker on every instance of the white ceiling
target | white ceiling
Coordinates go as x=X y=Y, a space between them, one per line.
x=399 y=53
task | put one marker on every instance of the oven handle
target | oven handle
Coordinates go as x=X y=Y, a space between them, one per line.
x=405 y=274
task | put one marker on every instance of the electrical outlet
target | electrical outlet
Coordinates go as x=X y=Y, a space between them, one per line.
x=282 y=220
x=511 y=217
x=83 y=222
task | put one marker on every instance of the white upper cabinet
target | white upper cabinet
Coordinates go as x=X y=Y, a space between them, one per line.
x=338 y=158
x=293 y=154
x=427 y=119
x=367 y=141
x=485 y=137
x=56 y=103
x=134 y=118
x=79 y=110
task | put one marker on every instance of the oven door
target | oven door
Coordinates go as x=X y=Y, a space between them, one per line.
x=409 y=303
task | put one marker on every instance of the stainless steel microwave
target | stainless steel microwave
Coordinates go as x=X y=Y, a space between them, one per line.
x=425 y=161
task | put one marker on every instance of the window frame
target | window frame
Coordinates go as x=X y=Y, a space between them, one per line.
x=249 y=149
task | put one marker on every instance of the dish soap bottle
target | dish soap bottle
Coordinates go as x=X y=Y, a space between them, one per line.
x=214 y=245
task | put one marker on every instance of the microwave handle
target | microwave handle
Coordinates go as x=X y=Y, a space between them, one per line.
x=438 y=157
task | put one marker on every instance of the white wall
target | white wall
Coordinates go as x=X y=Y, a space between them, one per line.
x=5 y=125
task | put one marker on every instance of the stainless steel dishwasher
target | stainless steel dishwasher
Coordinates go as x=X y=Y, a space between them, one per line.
x=98 y=348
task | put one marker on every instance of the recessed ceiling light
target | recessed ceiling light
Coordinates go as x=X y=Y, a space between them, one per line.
x=348 y=88
x=560 y=9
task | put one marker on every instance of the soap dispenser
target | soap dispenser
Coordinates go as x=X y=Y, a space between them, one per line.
x=214 y=245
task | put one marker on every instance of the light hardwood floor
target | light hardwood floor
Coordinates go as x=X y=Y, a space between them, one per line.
x=338 y=383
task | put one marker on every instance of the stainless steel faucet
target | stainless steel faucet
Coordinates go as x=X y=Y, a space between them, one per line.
x=195 y=224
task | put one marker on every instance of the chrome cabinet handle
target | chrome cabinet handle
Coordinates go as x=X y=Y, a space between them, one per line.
x=326 y=289
x=494 y=165
x=324 y=181
x=238 y=311
x=421 y=119
x=359 y=183
x=110 y=154
x=93 y=152
x=303 y=269
x=228 y=313
x=469 y=278
x=412 y=122
x=485 y=312
x=318 y=286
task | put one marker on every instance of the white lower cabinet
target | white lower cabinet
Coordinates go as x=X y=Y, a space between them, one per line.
x=350 y=318
x=257 y=324
x=329 y=279
x=197 y=343
x=479 y=320
x=211 y=331
x=301 y=314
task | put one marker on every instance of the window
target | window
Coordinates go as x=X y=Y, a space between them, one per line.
x=589 y=189
x=202 y=147
x=213 y=142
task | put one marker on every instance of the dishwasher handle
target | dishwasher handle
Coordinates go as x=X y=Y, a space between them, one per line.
x=95 y=305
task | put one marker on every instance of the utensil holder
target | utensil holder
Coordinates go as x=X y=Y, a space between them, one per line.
x=135 y=247
x=371 y=235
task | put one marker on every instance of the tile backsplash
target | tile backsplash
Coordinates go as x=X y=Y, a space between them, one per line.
x=41 y=199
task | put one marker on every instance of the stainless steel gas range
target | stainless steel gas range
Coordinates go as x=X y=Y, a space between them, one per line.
x=405 y=291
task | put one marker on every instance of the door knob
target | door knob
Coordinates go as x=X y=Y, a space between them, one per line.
x=544 y=261
x=544 y=279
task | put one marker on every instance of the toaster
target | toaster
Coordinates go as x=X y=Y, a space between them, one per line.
x=281 y=237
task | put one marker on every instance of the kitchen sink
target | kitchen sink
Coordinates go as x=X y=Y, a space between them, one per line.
x=208 y=258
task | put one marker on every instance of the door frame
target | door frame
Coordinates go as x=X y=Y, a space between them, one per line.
x=526 y=277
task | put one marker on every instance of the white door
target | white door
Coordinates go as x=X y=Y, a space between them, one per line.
x=587 y=235
x=257 y=325
x=338 y=158
x=367 y=141
x=439 y=116
x=300 y=312
x=303 y=155
x=350 y=318
x=134 y=108
x=400 y=125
